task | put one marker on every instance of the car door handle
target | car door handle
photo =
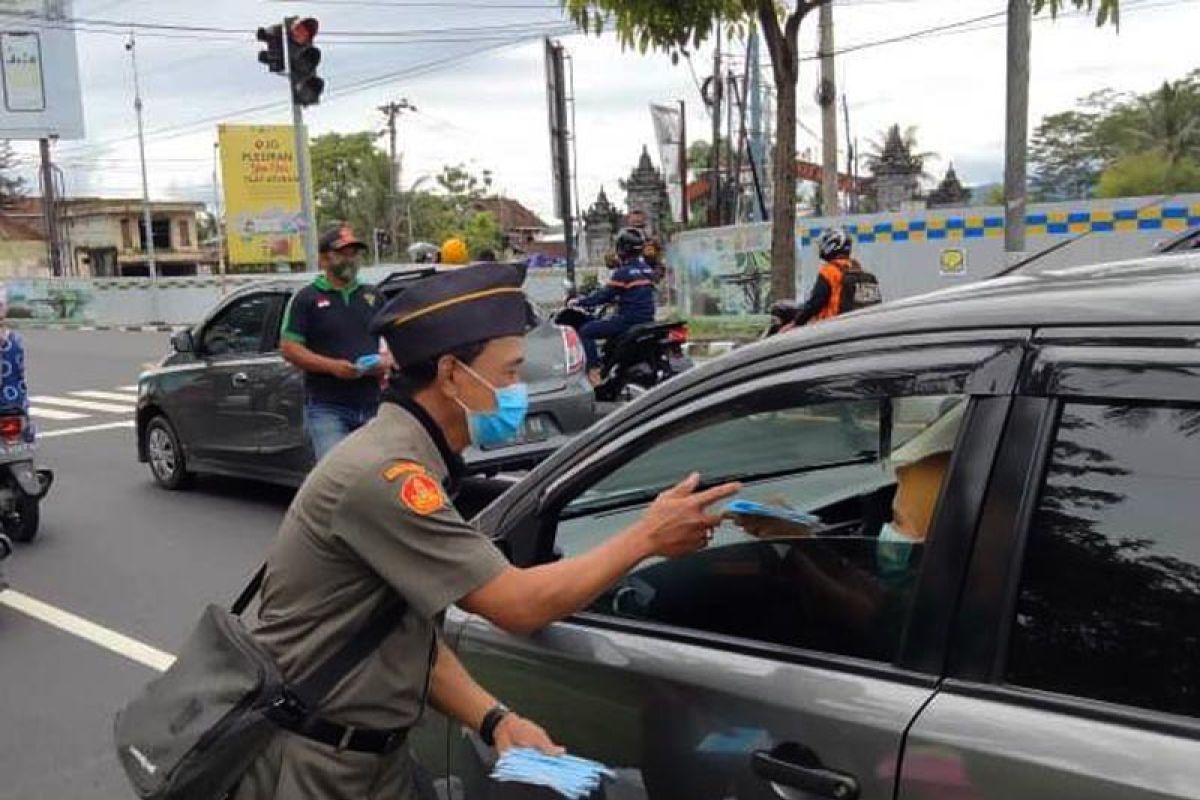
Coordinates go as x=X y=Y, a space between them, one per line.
x=240 y=379
x=796 y=766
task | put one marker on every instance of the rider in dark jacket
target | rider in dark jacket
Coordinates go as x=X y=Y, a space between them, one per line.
x=631 y=287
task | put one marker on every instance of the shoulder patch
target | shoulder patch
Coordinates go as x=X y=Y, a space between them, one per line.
x=401 y=468
x=422 y=494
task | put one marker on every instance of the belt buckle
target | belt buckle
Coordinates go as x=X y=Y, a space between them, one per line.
x=347 y=735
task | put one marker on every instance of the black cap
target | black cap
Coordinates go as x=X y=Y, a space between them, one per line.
x=435 y=315
x=338 y=238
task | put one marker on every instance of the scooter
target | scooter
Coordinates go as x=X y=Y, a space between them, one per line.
x=638 y=360
x=22 y=483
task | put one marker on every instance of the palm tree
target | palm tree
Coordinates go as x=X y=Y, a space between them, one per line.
x=1170 y=120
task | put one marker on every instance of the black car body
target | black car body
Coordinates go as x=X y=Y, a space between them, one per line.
x=1040 y=643
x=224 y=401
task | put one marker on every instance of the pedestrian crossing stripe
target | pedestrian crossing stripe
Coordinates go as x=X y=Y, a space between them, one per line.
x=84 y=403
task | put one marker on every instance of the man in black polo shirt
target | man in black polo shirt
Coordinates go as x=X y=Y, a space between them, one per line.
x=326 y=334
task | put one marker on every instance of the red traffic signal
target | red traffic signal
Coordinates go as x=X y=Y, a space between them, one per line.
x=303 y=31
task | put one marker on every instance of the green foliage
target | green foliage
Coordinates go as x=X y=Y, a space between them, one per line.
x=1119 y=136
x=656 y=25
x=1149 y=173
x=351 y=181
x=1106 y=10
x=12 y=188
x=482 y=232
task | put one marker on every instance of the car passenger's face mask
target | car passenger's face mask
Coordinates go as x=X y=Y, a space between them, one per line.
x=892 y=551
x=502 y=425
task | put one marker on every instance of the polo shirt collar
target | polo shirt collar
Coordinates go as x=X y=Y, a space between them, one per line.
x=322 y=282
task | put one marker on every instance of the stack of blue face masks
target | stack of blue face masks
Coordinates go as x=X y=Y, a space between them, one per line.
x=573 y=778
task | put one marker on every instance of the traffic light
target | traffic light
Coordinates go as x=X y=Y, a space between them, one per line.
x=303 y=59
x=273 y=55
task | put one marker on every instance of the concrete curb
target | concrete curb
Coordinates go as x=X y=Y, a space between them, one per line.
x=70 y=326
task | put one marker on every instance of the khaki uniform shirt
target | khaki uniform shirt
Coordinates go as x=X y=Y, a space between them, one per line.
x=372 y=518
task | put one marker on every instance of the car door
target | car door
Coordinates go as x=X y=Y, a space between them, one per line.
x=279 y=397
x=219 y=420
x=1075 y=668
x=721 y=675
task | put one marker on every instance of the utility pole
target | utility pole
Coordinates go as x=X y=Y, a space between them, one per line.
x=683 y=165
x=852 y=195
x=714 y=187
x=1017 y=129
x=50 y=211
x=827 y=99
x=393 y=110
x=218 y=213
x=148 y=241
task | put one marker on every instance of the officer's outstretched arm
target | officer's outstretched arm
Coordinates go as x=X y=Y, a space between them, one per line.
x=455 y=693
x=527 y=600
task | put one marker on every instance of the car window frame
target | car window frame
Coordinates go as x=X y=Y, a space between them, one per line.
x=1102 y=367
x=986 y=372
x=272 y=314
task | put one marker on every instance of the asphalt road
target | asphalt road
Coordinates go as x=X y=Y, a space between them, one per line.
x=115 y=550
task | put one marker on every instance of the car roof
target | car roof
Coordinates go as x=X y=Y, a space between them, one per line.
x=381 y=276
x=1155 y=290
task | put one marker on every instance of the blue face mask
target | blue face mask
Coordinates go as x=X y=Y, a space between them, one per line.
x=893 y=551
x=502 y=425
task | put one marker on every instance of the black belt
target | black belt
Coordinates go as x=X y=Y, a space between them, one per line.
x=348 y=737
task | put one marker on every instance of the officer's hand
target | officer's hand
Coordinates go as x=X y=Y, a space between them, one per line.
x=678 y=522
x=345 y=370
x=515 y=731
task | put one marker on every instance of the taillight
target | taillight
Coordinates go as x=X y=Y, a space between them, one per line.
x=11 y=428
x=678 y=335
x=573 y=349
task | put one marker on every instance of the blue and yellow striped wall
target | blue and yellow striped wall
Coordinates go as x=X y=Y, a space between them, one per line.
x=1054 y=223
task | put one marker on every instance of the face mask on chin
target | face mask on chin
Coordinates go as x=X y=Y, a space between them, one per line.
x=892 y=551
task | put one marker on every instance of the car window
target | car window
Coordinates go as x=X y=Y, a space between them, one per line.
x=867 y=473
x=239 y=327
x=1110 y=588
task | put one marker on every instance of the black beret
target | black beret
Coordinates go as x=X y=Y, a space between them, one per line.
x=437 y=314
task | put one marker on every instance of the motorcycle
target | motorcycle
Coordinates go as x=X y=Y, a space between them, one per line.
x=22 y=483
x=638 y=360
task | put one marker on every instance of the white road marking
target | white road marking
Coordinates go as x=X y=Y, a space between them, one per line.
x=49 y=413
x=132 y=388
x=86 y=429
x=94 y=395
x=85 y=629
x=86 y=405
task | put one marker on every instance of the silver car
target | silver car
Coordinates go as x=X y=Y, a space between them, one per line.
x=224 y=401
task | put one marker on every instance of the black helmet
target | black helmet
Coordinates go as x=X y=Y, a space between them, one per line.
x=834 y=242
x=630 y=243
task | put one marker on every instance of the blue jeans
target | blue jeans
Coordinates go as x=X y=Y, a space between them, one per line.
x=329 y=423
x=591 y=332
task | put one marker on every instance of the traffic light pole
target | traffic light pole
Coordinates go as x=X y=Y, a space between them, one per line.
x=303 y=172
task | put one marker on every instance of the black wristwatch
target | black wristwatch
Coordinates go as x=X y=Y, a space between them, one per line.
x=491 y=721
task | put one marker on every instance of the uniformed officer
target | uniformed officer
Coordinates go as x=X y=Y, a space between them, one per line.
x=326 y=330
x=375 y=518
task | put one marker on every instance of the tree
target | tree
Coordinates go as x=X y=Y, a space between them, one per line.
x=351 y=181
x=482 y=232
x=12 y=188
x=676 y=27
x=1066 y=156
x=1148 y=173
x=699 y=154
x=462 y=189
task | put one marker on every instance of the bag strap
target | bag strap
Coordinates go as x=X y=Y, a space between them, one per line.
x=312 y=690
x=385 y=619
x=247 y=594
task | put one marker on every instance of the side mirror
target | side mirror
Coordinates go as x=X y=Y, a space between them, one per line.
x=183 y=342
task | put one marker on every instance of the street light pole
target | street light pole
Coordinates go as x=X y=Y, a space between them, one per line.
x=151 y=265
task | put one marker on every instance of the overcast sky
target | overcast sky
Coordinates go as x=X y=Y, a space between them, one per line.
x=481 y=98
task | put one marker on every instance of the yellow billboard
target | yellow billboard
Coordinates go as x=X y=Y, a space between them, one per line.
x=263 y=220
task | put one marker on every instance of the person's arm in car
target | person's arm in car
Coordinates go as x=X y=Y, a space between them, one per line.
x=454 y=693
x=526 y=600
x=817 y=300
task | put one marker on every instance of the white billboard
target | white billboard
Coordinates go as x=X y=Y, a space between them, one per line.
x=39 y=71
